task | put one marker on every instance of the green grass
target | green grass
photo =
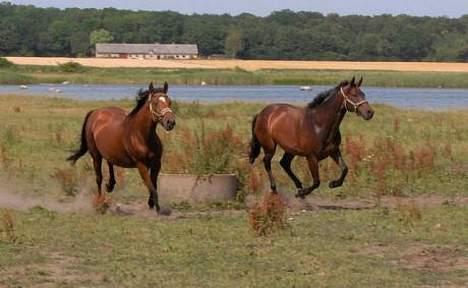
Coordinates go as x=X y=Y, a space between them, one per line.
x=87 y=75
x=407 y=246
x=399 y=152
x=326 y=249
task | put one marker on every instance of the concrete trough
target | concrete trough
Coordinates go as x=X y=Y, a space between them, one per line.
x=176 y=188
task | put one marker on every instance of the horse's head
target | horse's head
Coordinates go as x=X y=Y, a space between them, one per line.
x=355 y=99
x=160 y=106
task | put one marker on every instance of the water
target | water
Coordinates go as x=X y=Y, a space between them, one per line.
x=421 y=98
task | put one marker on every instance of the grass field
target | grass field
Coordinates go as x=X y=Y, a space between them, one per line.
x=405 y=157
x=227 y=72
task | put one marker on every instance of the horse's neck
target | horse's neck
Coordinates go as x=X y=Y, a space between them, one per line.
x=329 y=116
x=141 y=123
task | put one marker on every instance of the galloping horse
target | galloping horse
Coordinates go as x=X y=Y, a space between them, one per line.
x=312 y=132
x=128 y=141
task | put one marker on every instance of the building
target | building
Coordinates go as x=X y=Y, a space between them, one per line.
x=147 y=51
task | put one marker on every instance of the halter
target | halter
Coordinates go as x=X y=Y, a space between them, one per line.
x=157 y=115
x=355 y=105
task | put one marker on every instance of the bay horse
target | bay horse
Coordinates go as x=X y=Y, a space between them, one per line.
x=312 y=132
x=128 y=141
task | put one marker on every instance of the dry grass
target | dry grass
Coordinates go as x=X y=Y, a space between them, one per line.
x=250 y=65
x=8 y=226
x=268 y=215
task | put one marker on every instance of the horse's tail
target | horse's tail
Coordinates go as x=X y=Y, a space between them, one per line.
x=83 y=145
x=254 y=144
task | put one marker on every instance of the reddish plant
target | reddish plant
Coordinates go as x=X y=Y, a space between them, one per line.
x=268 y=215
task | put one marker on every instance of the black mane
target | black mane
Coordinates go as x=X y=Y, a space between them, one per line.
x=141 y=98
x=321 y=97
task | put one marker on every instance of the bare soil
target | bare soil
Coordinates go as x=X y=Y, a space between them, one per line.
x=250 y=65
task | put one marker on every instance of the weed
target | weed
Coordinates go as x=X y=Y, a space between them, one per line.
x=396 y=125
x=68 y=179
x=8 y=226
x=11 y=136
x=268 y=215
x=5 y=160
x=408 y=213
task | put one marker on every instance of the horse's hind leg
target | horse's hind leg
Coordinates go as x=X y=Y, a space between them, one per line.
x=97 y=163
x=314 y=170
x=336 y=156
x=111 y=184
x=286 y=164
x=269 y=153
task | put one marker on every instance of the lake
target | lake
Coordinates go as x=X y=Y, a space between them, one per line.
x=421 y=98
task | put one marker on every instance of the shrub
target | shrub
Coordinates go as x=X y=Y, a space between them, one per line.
x=268 y=215
x=71 y=67
x=4 y=63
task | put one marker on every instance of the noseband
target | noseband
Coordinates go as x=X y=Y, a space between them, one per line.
x=157 y=114
x=355 y=105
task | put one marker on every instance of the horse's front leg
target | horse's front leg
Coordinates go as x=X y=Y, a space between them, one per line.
x=145 y=175
x=312 y=161
x=336 y=156
x=155 y=168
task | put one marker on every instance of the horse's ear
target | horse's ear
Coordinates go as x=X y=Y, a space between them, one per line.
x=352 y=81
x=166 y=87
x=359 y=82
x=151 y=87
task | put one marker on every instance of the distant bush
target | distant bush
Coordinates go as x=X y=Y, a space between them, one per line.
x=5 y=63
x=72 y=67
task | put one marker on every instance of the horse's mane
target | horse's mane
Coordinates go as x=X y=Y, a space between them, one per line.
x=321 y=97
x=141 y=98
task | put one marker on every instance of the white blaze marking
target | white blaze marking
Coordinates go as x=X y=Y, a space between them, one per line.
x=317 y=129
x=162 y=99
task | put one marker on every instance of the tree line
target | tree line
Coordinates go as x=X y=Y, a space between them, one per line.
x=32 y=31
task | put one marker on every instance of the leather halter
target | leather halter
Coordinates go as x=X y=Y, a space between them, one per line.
x=346 y=99
x=157 y=114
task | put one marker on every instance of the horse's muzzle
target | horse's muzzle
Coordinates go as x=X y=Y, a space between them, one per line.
x=169 y=124
x=368 y=115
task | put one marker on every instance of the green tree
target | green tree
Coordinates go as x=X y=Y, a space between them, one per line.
x=100 y=36
x=79 y=43
x=233 y=43
x=9 y=39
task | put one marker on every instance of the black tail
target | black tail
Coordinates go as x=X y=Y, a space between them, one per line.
x=254 y=144
x=83 y=146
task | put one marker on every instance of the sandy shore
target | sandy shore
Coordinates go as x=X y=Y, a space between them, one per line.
x=250 y=65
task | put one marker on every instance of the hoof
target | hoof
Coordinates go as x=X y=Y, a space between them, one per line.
x=164 y=212
x=334 y=184
x=109 y=188
x=300 y=193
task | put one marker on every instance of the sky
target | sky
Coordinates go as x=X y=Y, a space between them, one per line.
x=449 y=8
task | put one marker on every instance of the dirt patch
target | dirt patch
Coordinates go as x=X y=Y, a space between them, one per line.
x=82 y=202
x=250 y=65
x=433 y=258
x=315 y=202
x=58 y=270
x=422 y=256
